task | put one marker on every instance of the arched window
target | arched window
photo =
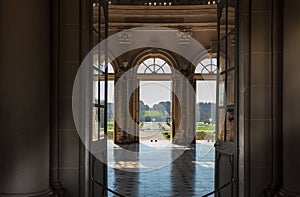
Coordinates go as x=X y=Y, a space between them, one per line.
x=207 y=66
x=154 y=65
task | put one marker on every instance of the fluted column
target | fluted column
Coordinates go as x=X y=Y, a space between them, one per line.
x=24 y=114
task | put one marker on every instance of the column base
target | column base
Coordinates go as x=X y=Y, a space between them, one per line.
x=47 y=193
x=285 y=193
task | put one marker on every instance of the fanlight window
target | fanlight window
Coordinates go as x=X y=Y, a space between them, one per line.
x=154 y=66
x=207 y=66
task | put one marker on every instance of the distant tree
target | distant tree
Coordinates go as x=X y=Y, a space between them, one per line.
x=159 y=107
x=143 y=107
x=167 y=106
x=205 y=111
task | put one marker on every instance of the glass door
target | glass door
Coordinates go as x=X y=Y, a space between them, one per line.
x=99 y=31
x=226 y=128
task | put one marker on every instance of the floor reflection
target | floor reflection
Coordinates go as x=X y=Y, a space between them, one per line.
x=191 y=174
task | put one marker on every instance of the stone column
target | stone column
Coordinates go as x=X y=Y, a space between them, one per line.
x=184 y=112
x=187 y=105
x=121 y=107
x=24 y=114
x=291 y=97
x=118 y=135
x=191 y=113
x=130 y=107
x=177 y=119
x=125 y=105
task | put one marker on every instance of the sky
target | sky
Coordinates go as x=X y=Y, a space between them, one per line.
x=206 y=91
x=153 y=92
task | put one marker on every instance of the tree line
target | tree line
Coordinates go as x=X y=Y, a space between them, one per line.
x=161 y=111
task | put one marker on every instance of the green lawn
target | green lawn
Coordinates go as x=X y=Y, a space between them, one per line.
x=201 y=126
x=203 y=131
x=153 y=113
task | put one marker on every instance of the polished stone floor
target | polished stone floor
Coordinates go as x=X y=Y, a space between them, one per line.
x=160 y=174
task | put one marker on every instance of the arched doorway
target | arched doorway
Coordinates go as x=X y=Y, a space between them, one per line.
x=154 y=74
x=205 y=76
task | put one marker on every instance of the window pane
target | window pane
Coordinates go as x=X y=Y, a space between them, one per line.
x=230 y=125
x=222 y=65
x=221 y=90
x=207 y=66
x=97 y=128
x=96 y=90
x=230 y=50
x=154 y=66
x=101 y=135
x=95 y=124
x=221 y=132
x=141 y=68
x=230 y=88
x=102 y=92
